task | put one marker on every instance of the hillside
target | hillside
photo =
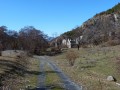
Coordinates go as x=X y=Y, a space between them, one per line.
x=100 y=28
x=92 y=67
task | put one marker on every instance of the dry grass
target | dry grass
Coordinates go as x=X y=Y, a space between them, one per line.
x=18 y=73
x=93 y=67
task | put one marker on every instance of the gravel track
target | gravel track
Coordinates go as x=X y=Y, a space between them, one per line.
x=66 y=82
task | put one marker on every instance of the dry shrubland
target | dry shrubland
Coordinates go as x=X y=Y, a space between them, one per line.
x=13 y=71
x=113 y=42
x=71 y=56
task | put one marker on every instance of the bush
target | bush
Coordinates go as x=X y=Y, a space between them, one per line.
x=53 y=49
x=71 y=56
x=113 y=42
x=29 y=54
x=84 y=46
x=56 y=50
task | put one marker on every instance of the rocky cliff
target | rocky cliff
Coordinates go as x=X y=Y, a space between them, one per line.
x=100 y=28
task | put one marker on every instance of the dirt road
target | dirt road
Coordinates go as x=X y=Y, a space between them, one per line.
x=67 y=84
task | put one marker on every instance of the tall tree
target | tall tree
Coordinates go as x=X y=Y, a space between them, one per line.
x=32 y=39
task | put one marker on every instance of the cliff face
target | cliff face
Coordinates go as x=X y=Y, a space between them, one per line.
x=99 y=29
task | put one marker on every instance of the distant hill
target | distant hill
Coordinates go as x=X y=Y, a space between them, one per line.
x=50 y=38
x=101 y=28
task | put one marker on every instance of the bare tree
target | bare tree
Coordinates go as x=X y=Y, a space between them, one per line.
x=32 y=39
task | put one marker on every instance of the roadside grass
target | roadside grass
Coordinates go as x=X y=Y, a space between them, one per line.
x=31 y=77
x=52 y=79
x=15 y=76
x=92 y=67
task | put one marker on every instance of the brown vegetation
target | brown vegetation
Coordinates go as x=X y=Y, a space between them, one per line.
x=113 y=42
x=93 y=67
x=71 y=56
x=12 y=71
x=28 y=38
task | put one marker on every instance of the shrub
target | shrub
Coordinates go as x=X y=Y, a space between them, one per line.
x=84 y=46
x=64 y=46
x=29 y=54
x=53 y=49
x=71 y=56
x=113 y=42
x=56 y=50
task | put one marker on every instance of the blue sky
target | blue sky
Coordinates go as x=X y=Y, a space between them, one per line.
x=50 y=16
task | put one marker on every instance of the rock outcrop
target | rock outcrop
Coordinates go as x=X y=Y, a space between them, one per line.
x=101 y=28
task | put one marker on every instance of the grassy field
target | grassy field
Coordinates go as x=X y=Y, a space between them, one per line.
x=16 y=75
x=92 y=67
x=90 y=70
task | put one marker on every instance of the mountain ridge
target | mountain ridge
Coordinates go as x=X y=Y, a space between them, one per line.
x=100 y=28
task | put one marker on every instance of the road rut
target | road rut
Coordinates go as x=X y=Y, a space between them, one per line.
x=67 y=83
